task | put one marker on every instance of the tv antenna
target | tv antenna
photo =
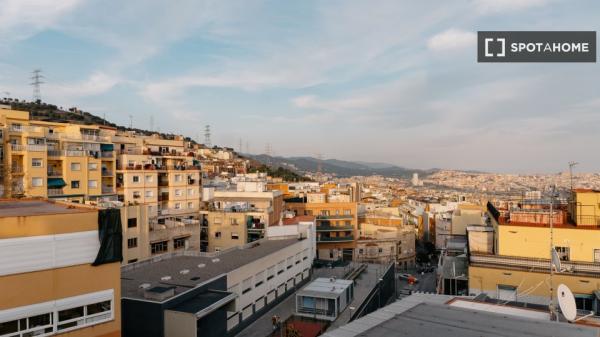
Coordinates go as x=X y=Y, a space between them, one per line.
x=36 y=79
x=571 y=165
x=130 y=122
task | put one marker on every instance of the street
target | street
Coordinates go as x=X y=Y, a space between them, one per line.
x=427 y=282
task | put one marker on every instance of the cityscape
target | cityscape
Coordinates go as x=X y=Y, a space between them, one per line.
x=141 y=202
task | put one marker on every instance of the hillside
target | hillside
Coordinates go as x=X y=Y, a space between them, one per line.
x=340 y=168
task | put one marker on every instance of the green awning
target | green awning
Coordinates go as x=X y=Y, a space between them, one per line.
x=56 y=182
x=107 y=147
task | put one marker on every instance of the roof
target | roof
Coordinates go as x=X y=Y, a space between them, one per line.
x=202 y=301
x=173 y=265
x=298 y=219
x=14 y=208
x=325 y=287
x=428 y=315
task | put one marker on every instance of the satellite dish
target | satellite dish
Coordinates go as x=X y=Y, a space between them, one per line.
x=566 y=302
x=556 y=260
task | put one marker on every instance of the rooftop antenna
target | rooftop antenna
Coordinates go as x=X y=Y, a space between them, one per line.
x=130 y=121
x=207 y=141
x=240 y=146
x=571 y=165
x=319 y=163
x=552 y=252
x=36 y=79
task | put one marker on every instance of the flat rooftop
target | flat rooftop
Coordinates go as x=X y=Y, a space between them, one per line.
x=428 y=315
x=14 y=208
x=325 y=287
x=188 y=271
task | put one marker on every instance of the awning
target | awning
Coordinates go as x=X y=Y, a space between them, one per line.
x=107 y=147
x=56 y=182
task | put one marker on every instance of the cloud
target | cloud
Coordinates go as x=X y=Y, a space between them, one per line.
x=451 y=39
x=97 y=83
x=501 y=6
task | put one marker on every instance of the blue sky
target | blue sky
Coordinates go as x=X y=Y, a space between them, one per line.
x=387 y=81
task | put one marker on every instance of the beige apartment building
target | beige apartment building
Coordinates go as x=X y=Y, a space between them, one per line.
x=55 y=160
x=383 y=239
x=234 y=218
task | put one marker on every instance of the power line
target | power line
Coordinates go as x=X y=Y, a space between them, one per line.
x=36 y=82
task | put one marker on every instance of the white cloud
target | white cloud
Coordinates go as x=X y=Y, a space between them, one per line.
x=500 y=6
x=451 y=39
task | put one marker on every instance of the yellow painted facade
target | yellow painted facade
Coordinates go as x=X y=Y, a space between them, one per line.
x=585 y=207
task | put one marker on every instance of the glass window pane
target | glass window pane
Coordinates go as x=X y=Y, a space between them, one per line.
x=98 y=307
x=68 y=314
x=39 y=320
x=8 y=327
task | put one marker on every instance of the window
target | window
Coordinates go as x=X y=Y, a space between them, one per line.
x=259 y=278
x=136 y=179
x=149 y=178
x=132 y=261
x=149 y=194
x=380 y=250
x=75 y=184
x=247 y=285
x=75 y=166
x=179 y=243
x=159 y=247
x=347 y=212
x=271 y=272
x=217 y=234
x=190 y=192
x=92 y=166
x=84 y=315
x=178 y=193
x=280 y=267
x=136 y=194
x=178 y=205
x=234 y=222
x=596 y=255
x=37 y=182
x=178 y=177
x=131 y=242
x=290 y=262
x=563 y=253
x=132 y=223
x=360 y=251
x=36 y=162
x=93 y=184
x=190 y=204
x=234 y=236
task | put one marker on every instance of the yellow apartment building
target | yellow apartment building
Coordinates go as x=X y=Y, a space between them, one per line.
x=337 y=225
x=516 y=266
x=55 y=160
x=49 y=285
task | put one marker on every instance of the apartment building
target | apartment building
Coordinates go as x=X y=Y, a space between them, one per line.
x=159 y=182
x=212 y=294
x=337 y=224
x=384 y=239
x=55 y=160
x=52 y=278
x=516 y=264
x=236 y=217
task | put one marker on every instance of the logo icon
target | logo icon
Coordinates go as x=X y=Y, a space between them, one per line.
x=502 y=52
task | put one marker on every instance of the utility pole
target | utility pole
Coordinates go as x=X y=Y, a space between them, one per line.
x=130 y=121
x=571 y=165
x=552 y=305
x=207 y=141
x=240 y=146
x=36 y=82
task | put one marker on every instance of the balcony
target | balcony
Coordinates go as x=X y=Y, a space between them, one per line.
x=163 y=183
x=329 y=228
x=172 y=229
x=346 y=238
x=36 y=148
x=54 y=172
x=130 y=151
x=164 y=196
x=16 y=169
x=18 y=148
x=56 y=153
x=53 y=192
x=25 y=128
x=107 y=173
x=108 y=190
x=107 y=154
x=534 y=264
x=335 y=217
x=177 y=211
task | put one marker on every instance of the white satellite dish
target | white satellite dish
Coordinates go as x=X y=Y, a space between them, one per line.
x=566 y=302
x=556 y=260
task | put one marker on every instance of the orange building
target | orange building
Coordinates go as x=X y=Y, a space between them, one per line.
x=49 y=285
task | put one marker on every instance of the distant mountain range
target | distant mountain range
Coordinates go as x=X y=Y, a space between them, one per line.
x=340 y=168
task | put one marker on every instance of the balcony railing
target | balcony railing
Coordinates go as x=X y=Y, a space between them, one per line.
x=314 y=311
x=55 y=192
x=333 y=217
x=25 y=128
x=346 y=238
x=36 y=148
x=107 y=190
x=18 y=148
x=329 y=228
x=588 y=220
x=107 y=173
x=527 y=263
x=15 y=169
x=107 y=154
x=177 y=211
x=130 y=151
x=54 y=173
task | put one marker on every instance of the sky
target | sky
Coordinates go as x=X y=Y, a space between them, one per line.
x=386 y=81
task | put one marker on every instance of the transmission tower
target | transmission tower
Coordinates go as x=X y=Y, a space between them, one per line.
x=36 y=82
x=240 y=146
x=207 y=141
x=319 y=163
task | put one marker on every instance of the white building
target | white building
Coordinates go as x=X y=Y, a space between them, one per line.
x=324 y=298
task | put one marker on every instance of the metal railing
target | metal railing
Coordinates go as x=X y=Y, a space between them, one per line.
x=107 y=154
x=107 y=173
x=335 y=239
x=55 y=191
x=54 y=173
x=25 y=128
x=329 y=217
x=15 y=169
x=36 y=148
x=107 y=190
x=534 y=263
x=330 y=228
x=315 y=311
x=18 y=147
x=588 y=220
